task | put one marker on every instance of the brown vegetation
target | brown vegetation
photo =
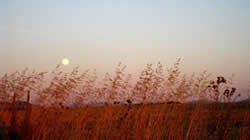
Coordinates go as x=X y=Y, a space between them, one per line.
x=139 y=115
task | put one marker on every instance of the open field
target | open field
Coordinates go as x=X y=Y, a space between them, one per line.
x=57 y=105
x=149 y=121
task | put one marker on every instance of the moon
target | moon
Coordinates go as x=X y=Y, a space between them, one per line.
x=65 y=61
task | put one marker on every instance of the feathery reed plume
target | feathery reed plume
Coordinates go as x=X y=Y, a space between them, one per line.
x=143 y=85
x=199 y=85
x=171 y=81
x=4 y=88
x=248 y=92
x=87 y=89
x=113 y=86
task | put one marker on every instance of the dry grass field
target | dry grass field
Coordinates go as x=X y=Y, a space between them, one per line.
x=150 y=121
x=153 y=108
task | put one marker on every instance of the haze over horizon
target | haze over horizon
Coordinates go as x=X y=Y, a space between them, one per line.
x=207 y=35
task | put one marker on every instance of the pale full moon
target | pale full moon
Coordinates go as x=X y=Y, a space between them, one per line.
x=65 y=61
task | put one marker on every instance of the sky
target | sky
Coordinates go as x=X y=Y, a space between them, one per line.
x=212 y=35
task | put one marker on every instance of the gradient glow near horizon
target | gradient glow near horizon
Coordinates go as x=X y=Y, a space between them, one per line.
x=208 y=35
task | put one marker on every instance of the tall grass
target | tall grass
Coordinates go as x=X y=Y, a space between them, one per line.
x=143 y=112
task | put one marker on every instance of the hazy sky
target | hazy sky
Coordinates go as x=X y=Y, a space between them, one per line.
x=211 y=35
